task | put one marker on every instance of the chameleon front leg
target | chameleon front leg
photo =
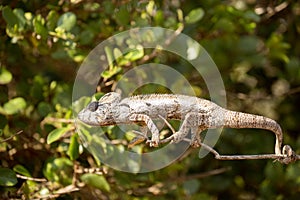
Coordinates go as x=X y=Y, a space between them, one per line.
x=151 y=126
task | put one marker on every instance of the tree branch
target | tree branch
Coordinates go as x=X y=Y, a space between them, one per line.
x=10 y=137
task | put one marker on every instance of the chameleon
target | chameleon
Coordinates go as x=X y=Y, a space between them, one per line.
x=197 y=115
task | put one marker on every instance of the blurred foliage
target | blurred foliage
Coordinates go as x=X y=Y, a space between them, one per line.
x=255 y=44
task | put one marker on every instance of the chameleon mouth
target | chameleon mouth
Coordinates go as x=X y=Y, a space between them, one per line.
x=81 y=117
x=89 y=118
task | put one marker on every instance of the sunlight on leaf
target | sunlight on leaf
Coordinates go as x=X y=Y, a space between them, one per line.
x=96 y=181
x=5 y=76
x=73 y=150
x=56 y=134
x=194 y=16
x=21 y=170
x=14 y=106
x=67 y=21
x=59 y=170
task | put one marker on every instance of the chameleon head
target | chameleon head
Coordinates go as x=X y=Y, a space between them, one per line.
x=96 y=114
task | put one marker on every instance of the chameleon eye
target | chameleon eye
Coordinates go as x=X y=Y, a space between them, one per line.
x=93 y=106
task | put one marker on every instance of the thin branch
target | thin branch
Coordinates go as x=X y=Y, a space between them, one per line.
x=66 y=190
x=294 y=91
x=11 y=137
x=48 y=120
x=31 y=179
x=202 y=175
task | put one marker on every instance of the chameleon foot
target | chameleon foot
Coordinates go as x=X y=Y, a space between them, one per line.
x=153 y=142
x=196 y=142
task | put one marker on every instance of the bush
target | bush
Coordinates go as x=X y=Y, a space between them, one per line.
x=255 y=46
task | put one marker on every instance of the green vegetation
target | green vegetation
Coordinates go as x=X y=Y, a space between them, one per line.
x=255 y=45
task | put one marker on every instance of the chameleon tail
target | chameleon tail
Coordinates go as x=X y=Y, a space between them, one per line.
x=243 y=120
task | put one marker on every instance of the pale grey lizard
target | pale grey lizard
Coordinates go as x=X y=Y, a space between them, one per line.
x=196 y=114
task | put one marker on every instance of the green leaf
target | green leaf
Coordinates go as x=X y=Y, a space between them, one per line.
x=96 y=181
x=150 y=8
x=10 y=18
x=194 y=16
x=5 y=76
x=56 y=134
x=159 y=17
x=86 y=37
x=14 y=106
x=117 y=53
x=59 y=170
x=108 y=7
x=21 y=170
x=21 y=17
x=73 y=150
x=110 y=73
x=44 y=109
x=52 y=19
x=135 y=54
x=39 y=28
x=278 y=48
x=7 y=177
x=109 y=56
x=122 y=16
x=67 y=21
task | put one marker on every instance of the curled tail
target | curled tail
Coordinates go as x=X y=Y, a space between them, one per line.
x=234 y=119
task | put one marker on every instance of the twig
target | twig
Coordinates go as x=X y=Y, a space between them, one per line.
x=59 y=120
x=176 y=33
x=55 y=194
x=31 y=179
x=203 y=174
x=10 y=137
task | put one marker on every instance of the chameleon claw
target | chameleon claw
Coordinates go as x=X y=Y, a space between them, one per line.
x=152 y=143
x=196 y=141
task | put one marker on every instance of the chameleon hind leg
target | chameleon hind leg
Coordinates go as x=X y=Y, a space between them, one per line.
x=193 y=122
